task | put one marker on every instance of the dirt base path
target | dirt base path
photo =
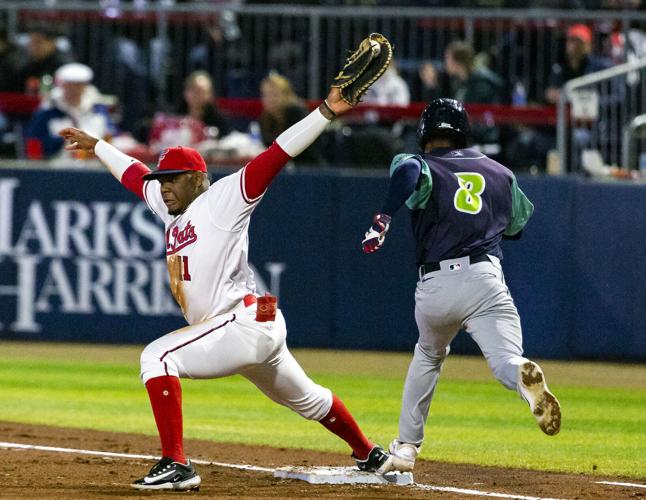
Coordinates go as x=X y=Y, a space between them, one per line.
x=45 y=474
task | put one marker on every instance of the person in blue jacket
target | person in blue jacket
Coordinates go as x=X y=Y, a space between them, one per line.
x=73 y=102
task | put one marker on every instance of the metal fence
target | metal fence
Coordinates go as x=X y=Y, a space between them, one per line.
x=238 y=44
x=141 y=52
x=599 y=119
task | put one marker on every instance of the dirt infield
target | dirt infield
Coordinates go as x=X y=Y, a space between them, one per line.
x=45 y=474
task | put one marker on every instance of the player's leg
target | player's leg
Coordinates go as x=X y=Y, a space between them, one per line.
x=283 y=380
x=162 y=363
x=495 y=327
x=215 y=348
x=218 y=347
x=173 y=471
x=437 y=327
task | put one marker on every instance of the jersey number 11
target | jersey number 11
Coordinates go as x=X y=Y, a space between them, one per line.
x=179 y=267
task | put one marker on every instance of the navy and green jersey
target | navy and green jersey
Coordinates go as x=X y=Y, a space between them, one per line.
x=462 y=204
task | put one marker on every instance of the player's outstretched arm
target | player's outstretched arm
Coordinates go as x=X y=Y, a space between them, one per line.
x=259 y=173
x=364 y=66
x=78 y=140
x=126 y=169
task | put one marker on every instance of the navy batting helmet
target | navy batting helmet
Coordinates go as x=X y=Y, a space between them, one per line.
x=444 y=118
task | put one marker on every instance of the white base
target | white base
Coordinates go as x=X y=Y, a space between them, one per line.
x=342 y=475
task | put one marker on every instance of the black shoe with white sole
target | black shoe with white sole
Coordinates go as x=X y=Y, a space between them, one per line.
x=169 y=475
x=378 y=461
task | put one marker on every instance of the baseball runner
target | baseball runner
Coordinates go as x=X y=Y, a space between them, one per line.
x=231 y=330
x=462 y=205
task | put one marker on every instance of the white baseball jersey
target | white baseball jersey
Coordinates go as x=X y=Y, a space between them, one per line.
x=207 y=248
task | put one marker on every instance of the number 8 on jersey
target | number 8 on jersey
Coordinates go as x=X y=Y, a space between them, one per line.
x=467 y=198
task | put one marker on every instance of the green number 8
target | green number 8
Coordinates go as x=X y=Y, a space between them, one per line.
x=467 y=198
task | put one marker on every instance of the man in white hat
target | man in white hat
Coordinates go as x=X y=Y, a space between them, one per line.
x=73 y=102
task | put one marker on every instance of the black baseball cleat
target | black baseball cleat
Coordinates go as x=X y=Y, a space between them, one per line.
x=378 y=461
x=169 y=475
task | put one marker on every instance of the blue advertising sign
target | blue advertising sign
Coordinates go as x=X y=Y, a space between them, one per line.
x=82 y=259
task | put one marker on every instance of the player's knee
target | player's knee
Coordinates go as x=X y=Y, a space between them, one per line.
x=313 y=405
x=154 y=364
x=433 y=356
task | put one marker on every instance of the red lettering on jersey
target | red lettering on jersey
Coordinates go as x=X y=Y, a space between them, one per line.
x=177 y=238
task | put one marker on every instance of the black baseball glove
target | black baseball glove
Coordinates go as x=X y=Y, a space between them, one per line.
x=364 y=66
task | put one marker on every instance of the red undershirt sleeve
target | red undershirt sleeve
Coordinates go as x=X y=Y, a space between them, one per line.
x=132 y=178
x=260 y=171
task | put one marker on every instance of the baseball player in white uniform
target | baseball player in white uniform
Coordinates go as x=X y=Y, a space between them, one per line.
x=229 y=332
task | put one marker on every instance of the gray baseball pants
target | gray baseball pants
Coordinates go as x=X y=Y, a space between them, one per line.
x=460 y=295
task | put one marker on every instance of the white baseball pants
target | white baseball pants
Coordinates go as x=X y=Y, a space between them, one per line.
x=236 y=343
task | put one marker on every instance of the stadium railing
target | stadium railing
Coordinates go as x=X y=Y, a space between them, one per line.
x=635 y=130
x=146 y=49
x=396 y=118
x=598 y=113
x=239 y=43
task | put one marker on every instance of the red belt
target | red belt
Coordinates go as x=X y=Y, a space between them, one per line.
x=249 y=300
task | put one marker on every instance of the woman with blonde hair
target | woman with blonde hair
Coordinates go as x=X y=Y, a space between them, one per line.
x=281 y=109
x=199 y=103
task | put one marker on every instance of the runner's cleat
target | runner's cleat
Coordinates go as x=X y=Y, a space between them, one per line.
x=544 y=405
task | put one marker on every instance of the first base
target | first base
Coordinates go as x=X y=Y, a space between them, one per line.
x=342 y=475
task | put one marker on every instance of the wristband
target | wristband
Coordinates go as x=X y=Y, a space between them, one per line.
x=326 y=110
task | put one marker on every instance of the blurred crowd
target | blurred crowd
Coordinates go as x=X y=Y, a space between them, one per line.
x=43 y=64
x=506 y=4
x=509 y=4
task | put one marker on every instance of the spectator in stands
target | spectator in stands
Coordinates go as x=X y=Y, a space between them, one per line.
x=198 y=123
x=434 y=83
x=625 y=46
x=73 y=102
x=579 y=61
x=372 y=143
x=468 y=82
x=465 y=81
x=43 y=59
x=390 y=90
x=281 y=109
x=10 y=58
x=199 y=103
x=460 y=78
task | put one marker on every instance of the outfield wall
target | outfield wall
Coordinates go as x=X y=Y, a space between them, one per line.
x=82 y=260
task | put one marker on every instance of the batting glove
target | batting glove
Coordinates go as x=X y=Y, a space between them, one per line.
x=375 y=236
